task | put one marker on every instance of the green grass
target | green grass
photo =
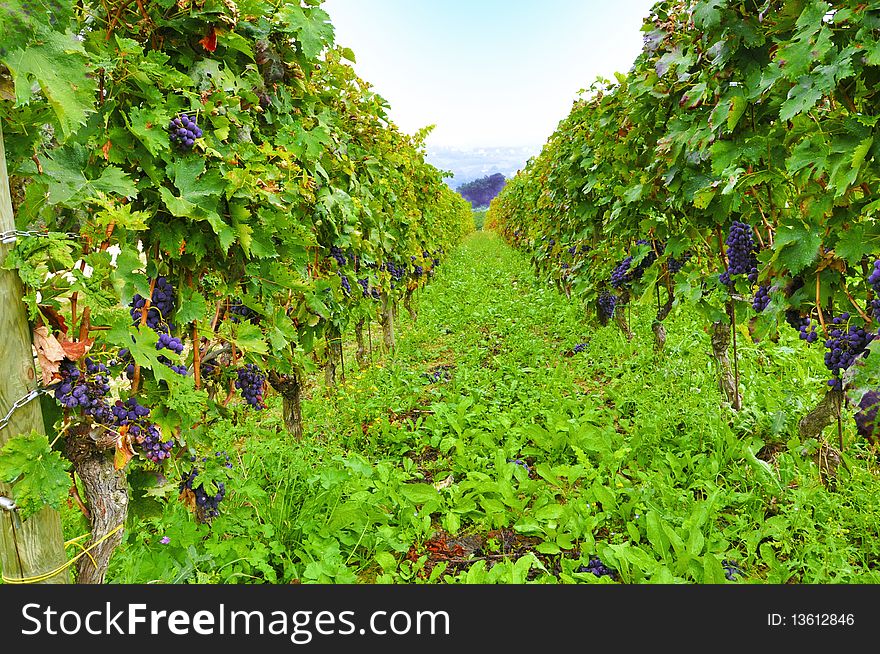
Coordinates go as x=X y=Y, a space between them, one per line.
x=480 y=218
x=627 y=455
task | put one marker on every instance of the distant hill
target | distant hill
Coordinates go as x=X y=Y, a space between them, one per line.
x=469 y=164
x=480 y=192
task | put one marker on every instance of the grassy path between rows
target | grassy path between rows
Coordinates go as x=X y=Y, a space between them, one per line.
x=484 y=451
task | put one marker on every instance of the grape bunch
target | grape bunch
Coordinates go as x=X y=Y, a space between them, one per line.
x=134 y=416
x=874 y=282
x=365 y=285
x=580 y=347
x=418 y=271
x=239 y=312
x=741 y=253
x=844 y=346
x=731 y=570
x=866 y=416
x=675 y=264
x=646 y=262
x=167 y=341
x=806 y=330
x=598 y=568
x=339 y=255
x=396 y=272
x=346 y=286
x=85 y=390
x=184 y=131
x=250 y=382
x=162 y=303
x=621 y=276
x=207 y=506
x=607 y=304
x=874 y=277
x=762 y=298
x=572 y=251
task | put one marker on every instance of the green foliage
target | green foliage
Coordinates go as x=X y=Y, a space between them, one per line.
x=38 y=473
x=628 y=459
x=296 y=157
x=733 y=111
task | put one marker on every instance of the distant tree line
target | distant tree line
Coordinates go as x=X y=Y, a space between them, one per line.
x=481 y=191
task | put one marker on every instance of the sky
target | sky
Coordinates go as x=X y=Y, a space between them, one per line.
x=487 y=73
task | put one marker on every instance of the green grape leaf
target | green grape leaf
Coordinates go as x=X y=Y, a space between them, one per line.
x=802 y=97
x=150 y=126
x=37 y=472
x=57 y=63
x=248 y=338
x=707 y=14
x=200 y=193
x=857 y=242
x=311 y=27
x=193 y=306
x=64 y=172
x=797 y=246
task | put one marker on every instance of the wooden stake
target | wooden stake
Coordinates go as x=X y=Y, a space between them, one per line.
x=35 y=546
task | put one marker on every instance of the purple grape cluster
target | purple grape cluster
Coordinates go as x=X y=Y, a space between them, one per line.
x=250 y=382
x=572 y=251
x=607 y=304
x=622 y=275
x=731 y=570
x=239 y=312
x=162 y=303
x=741 y=253
x=135 y=416
x=804 y=326
x=85 y=390
x=207 y=505
x=522 y=464
x=396 y=272
x=365 y=285
x=346 y=286
x=209 y=368
x=580 y=347
x=874 y=281
x=844 y=346
x=762 y=298
x=339 y=255
x=418 y=271
x=184 y=131
x=167 y=341
x=866 y=416
x=598 y=568
x=676 y=264
x=874 y=277
x=441 y=374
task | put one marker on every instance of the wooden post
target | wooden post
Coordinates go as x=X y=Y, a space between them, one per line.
x=35 y=546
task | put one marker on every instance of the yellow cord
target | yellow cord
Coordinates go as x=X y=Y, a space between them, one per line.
x=48 y=575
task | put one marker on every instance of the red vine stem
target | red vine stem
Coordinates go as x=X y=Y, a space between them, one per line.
x=819 y=305
x=864 y=316
x=136 y=380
